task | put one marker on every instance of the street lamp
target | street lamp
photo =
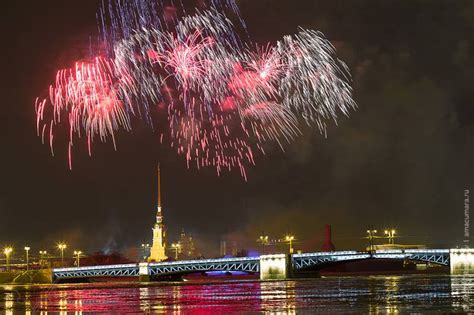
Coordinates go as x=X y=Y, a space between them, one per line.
x=390 y=235
x=145 y=248
x=42 y=253
x=177 y=248
x=62 y=247
x=290 y=239
x=263 y=239
x=7 y=251
x=371 y=235
x=78 y=253
x=27 y=249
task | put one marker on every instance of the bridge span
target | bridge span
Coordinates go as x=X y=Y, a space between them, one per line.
x=435 y=256
x=155 y=270
x=280 y=266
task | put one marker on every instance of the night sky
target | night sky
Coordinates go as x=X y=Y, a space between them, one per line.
x=402 y=160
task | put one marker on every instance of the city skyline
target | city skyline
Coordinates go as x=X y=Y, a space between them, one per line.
x=237 y=156
x=404 y=157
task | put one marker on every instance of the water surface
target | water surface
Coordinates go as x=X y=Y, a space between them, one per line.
x=339 y=295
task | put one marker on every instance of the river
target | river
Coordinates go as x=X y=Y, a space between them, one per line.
x=338 y=295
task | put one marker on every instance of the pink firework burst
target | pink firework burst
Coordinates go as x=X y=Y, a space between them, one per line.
x=89 y=96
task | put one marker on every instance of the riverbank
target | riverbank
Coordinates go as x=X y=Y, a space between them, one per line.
x=42 y=276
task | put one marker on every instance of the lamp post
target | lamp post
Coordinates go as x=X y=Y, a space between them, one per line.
x=27 y=249
x=62 y=247
x=263 y=239
x=176 y=247
x=290 y=239
x=371 y=235
x=7 y=251
x=78 y=253
x=145 y=248
x=390 y=235
x=42 y=253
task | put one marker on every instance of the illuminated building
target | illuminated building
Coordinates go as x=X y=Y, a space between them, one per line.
x=157 y=252
x=187 y=248
x=462 y=261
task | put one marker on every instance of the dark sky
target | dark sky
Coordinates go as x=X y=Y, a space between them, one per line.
x=403 y=159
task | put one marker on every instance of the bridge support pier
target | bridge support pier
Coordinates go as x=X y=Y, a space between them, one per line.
x=274 y=267
x=144 y=272
x=461 y=260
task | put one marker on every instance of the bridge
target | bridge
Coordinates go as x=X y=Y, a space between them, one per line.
x=155 y=270
x=280 y=266
x=435 y=256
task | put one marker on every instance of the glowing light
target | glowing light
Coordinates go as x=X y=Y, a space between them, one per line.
x=7 y=250
x=62 y=247
x=27 y=250
x=77 y=254
x=223 y=100
x=177 y=249
x=290 y=239
x=462 y=261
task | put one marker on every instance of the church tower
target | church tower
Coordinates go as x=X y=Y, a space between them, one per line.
x=157 y=252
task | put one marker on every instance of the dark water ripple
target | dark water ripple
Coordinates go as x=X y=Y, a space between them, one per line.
x=337 y=295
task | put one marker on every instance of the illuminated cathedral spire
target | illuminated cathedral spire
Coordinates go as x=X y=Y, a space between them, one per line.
x=157 y=252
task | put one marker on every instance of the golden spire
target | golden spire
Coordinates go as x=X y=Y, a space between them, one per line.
x=159 y=188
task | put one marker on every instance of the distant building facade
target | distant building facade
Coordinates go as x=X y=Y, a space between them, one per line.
x=187 y=249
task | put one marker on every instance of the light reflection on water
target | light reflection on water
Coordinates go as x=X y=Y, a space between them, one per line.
x=378 y=294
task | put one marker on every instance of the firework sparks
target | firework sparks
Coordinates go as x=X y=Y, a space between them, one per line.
x=89 y=95
x=224 y=101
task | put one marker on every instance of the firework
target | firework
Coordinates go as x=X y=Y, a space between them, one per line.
x=89 y=97
x=224 y=100
x=120 y=19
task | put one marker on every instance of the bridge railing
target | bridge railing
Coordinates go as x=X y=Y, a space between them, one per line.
x=348 y=252
x=429 y=251
x=180 y=262
x=252 y=264
x=121 y=266
x=205 y=261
